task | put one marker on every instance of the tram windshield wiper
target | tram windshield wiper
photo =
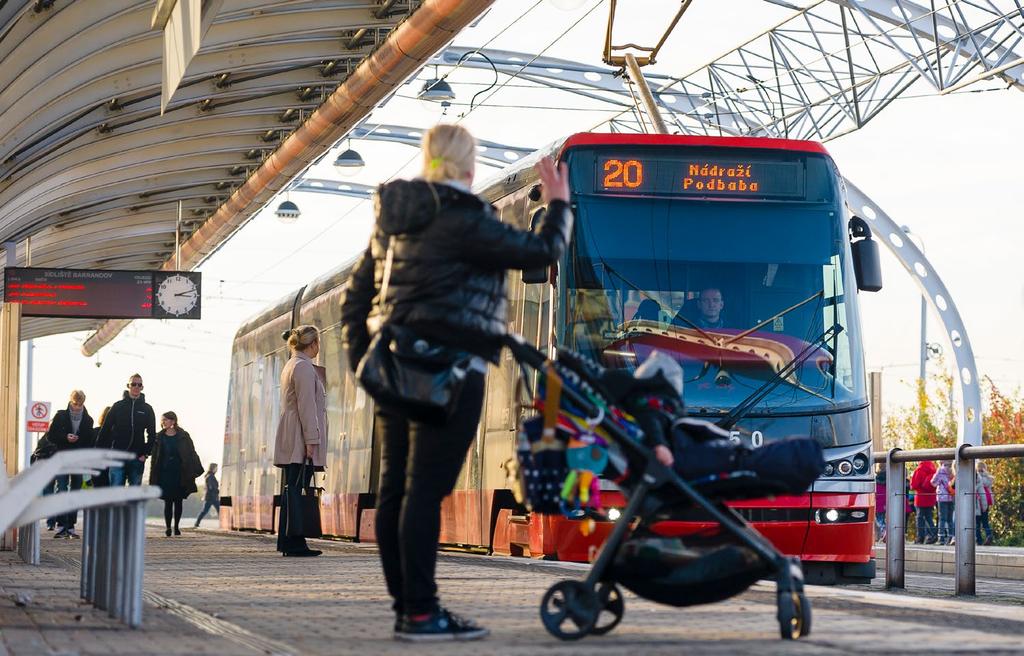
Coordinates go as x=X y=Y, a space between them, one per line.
x=744 y=406
x=736 y=338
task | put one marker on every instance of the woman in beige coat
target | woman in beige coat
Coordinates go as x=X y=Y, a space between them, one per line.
x=302 y=429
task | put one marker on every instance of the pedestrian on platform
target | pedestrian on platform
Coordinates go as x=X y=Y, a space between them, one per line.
x=212 y=493
x=300 y=447
x=101 y=479
x=943 y=482
x=71 y=428
x=442 y=255
x=880 y=500
x=984 y=498
x=924 y=501
x=130 y=426
x=174 y=468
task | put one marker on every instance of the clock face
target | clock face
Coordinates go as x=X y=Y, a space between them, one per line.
x=177 y=295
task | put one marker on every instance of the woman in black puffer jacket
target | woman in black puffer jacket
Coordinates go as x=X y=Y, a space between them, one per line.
x=450 y=254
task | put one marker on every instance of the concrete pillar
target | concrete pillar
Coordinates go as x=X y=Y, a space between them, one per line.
x=10 y=331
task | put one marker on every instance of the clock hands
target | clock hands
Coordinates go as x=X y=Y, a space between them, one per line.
x=188 y=293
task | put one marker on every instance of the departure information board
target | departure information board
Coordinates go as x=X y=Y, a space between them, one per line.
x=700 y=176
x=102 y=294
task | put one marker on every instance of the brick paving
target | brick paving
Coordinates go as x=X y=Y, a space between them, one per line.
x=214 y=593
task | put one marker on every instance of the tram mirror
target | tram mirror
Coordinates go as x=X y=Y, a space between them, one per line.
x=867 y=265
x=539 y=274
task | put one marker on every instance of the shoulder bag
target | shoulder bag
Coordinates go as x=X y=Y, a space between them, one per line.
x=301 y=505
x=418 y=377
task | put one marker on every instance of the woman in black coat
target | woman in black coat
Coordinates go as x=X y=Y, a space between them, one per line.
x=439 y=257
x=174 y=467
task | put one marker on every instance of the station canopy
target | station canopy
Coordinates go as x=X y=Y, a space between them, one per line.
x=95 y=154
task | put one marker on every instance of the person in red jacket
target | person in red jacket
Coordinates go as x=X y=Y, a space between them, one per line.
x=924 y=502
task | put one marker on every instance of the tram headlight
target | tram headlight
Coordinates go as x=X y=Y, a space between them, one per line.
x=860 y=463
x=829 y=469
x=844 y=468
x=614 y=514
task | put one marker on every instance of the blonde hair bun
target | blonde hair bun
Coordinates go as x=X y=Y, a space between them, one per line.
x=300 y=337
x=449 y=153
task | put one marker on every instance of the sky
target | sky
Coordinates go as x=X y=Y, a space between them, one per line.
x=948 y=167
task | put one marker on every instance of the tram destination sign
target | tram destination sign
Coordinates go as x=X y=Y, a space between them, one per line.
x=700 y=176
x=104 y=293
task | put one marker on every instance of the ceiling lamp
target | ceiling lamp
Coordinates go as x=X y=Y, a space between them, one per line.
x=287 y=212
x=437 y=90
x=350 y=162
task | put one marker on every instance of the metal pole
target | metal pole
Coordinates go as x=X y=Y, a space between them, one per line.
x=637 y=76
x=963 y=521
x=921 y=373
x=895 y=518
x=177 y=240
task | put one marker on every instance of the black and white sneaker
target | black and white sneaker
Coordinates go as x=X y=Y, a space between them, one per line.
x=440 y=626
x=61 y=534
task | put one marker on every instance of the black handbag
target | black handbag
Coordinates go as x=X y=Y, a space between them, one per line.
x=418 y=377
x=300 y=506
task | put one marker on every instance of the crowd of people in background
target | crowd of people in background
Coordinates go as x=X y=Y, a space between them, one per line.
x=932 y=488
x=127 y=425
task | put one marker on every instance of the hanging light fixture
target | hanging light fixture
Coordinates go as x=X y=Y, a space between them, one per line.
x=287 y=212
x=349 y=162
x=437 y=90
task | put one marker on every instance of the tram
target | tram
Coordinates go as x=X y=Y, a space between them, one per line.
x=663 y=224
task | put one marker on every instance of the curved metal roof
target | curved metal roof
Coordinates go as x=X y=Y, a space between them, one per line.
x=91 y=171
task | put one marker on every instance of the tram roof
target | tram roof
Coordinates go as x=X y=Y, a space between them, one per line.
x=91 y=169
x=621 y=139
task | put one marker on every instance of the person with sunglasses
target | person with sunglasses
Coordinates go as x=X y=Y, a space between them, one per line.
x=129 y=426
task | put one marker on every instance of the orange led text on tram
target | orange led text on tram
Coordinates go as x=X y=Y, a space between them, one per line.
x=715 y=177
x=619 y=174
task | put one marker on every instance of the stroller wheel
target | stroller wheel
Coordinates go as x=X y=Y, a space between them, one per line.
x=613 y=607
x=569 y=610
x=794 y=613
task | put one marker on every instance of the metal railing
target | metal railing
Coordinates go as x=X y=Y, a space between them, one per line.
x=113 y=552
x=895 y=517
x=28 y=543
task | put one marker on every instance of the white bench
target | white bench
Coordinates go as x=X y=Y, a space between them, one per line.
x=113 y=543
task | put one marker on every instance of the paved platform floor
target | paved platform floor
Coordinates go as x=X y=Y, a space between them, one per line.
x=209 y=592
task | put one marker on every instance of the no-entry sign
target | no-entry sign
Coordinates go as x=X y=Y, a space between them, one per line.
x=37 y=419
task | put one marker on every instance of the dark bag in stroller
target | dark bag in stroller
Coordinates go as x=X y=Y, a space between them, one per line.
x=787 y=466
x=666 y=571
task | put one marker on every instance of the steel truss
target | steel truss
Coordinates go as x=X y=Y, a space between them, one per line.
x=822 y=73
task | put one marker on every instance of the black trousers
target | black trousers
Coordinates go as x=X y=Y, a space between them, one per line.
x=419 y=467
x=291 y=474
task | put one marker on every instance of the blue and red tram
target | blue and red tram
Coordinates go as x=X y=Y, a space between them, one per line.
x=733 y=255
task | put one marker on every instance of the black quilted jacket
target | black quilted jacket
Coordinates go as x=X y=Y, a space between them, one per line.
x=448 y=267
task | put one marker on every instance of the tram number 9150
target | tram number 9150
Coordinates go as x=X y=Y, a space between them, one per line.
x=756 y=438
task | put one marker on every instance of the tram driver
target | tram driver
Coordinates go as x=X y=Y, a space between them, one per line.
x=710 y=305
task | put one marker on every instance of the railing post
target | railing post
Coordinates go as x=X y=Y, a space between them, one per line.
x=138 y=556
x=116 y=562
x=895 y=520
x=88 y=526
x=963 y=520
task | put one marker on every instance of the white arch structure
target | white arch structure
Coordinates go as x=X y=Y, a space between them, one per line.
x=928 y=281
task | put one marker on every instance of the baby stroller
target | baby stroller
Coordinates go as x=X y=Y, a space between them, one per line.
x=557 y=458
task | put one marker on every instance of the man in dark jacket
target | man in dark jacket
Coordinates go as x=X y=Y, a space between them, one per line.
x=130 y=426
x=71 y=428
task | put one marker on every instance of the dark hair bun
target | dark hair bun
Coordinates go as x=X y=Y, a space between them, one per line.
x=286 y=334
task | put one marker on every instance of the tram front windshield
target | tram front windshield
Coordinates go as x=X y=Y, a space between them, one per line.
x=734 y=291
